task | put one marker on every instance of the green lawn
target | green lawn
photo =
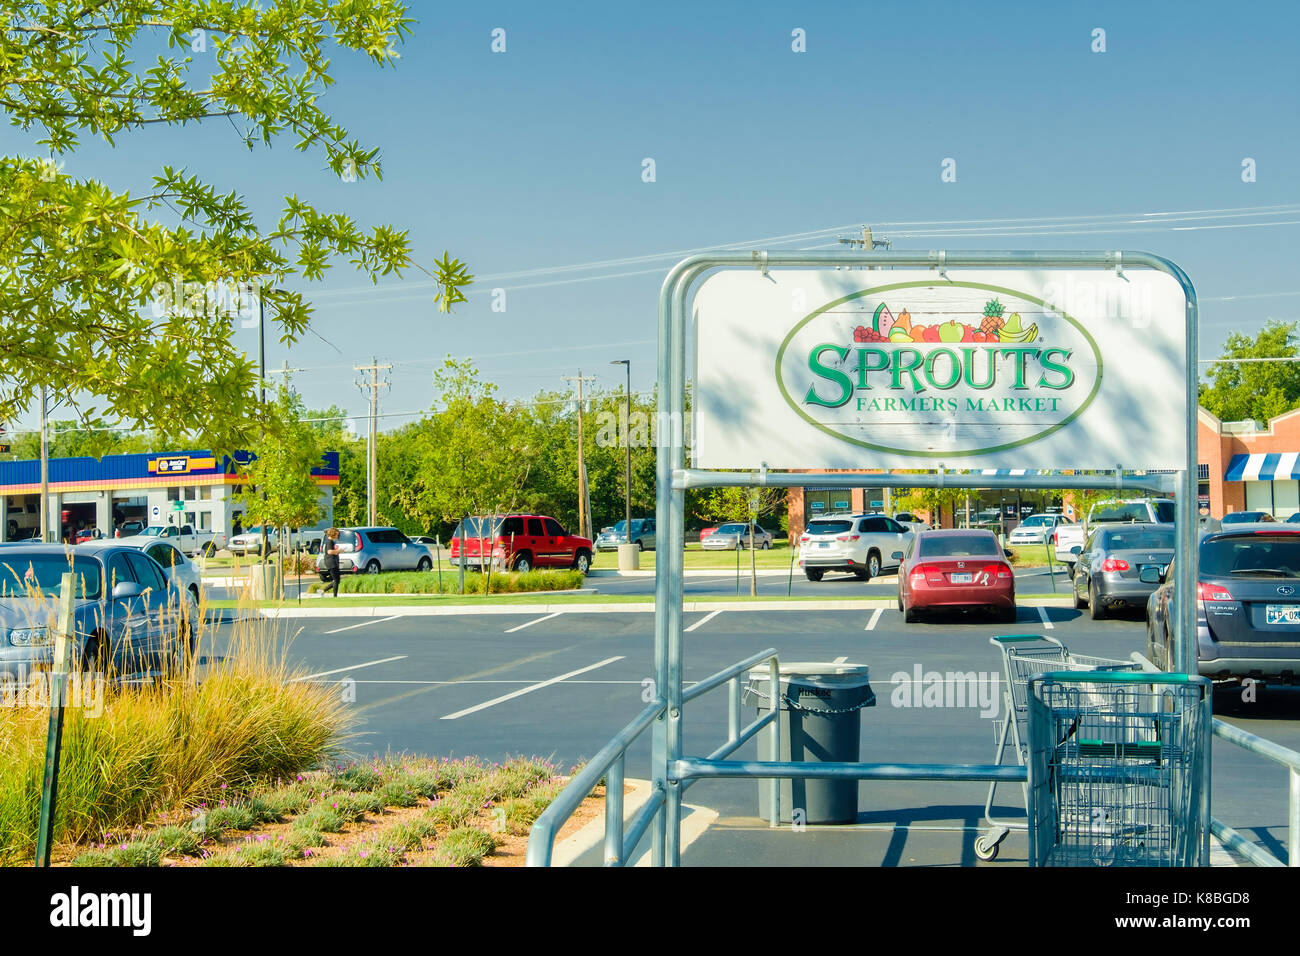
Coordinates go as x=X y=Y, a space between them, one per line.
x=778 y=556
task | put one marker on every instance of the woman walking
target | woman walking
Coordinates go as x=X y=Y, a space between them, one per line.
x=331 y=563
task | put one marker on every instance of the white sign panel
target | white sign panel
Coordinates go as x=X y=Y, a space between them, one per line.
x=902 y=369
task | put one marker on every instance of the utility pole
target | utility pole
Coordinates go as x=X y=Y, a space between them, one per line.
x=627 y=443
x=372 y=462
x=584 y=499
x=45 y=467
x=261 y=364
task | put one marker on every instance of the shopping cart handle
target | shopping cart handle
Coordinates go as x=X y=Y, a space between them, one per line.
x=1014 y=638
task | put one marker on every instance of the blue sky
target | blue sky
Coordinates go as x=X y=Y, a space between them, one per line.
x=531 y=159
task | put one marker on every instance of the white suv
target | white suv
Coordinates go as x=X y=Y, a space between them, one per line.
x=861 y=544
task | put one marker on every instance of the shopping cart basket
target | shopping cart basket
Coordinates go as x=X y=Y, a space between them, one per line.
x=1116 y=763
x=1023 y=656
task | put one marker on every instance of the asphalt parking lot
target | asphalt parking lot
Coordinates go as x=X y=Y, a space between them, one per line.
x=561 y=684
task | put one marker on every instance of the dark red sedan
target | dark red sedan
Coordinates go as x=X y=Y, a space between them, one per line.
x=956 y=569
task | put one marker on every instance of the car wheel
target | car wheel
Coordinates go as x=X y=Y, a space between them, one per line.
x=523 y=564
x=324 y=578
x=910 y=615
x=97 y=655
x=1079 y=603
x=862 y=574
x=767 y=545
x=900 y=600
x=209 y=549
x=1152 y=656
x=424 y=565
x=640 y=545
x=582 y=562
x=873 y=564
x=372 y=567
x=1007 y=615
x=813 y=574
x=1095 y=609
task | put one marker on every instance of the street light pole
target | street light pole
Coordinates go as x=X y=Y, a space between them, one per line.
x=627 y=444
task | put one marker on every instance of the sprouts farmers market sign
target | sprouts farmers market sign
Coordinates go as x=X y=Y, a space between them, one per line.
x=908 y=369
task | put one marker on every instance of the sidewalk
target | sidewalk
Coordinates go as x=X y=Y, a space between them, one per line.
x=935 y=835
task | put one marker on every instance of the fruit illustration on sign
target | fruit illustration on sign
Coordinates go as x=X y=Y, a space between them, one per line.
x=951 y=331
x=904 y=322
x=993 y=321
x=1014 y=330
x=883 y=320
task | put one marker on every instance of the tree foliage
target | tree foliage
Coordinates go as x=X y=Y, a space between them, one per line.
x=1237 y=391
x=90 y=275
x=280 y=491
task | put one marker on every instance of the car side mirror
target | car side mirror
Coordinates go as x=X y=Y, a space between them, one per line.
x=1076 y=549
x=1151 y=575
x=896 y=556
x=127 y=589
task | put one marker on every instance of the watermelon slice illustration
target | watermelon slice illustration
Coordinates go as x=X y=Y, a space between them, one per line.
x=883 y=320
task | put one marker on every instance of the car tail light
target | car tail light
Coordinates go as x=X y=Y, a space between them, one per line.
x=1056 y=538
x=928 y=573
x=1114 y=564
x=846 y=537
x=1212 y=592
x=998 y=571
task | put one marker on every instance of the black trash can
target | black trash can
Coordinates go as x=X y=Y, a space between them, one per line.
x=820 y=722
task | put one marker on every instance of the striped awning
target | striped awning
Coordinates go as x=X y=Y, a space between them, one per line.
x=1260 y=467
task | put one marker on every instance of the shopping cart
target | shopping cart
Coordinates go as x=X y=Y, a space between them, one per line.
x=1023 y=656
x=1116 y=769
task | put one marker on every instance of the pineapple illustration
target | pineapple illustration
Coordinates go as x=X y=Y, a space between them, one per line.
x=993 y=320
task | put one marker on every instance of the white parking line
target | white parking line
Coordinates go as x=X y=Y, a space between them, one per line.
x=378 y=620
x=338 y=670
x=528 y=690
x=875 y=616
x=536 y=620
x=1042 y=612
x=704 y=620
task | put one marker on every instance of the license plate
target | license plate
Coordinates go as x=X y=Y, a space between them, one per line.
x=961 y=578
x=1282 y=614
x=823 y=544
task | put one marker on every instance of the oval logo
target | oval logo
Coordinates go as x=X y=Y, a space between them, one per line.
x=935 y=368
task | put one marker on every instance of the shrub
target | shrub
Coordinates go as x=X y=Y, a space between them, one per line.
x=175 y=743
x=464 y=846
x=426 y=582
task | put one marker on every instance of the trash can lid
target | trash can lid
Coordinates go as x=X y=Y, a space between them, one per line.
x=841 y=674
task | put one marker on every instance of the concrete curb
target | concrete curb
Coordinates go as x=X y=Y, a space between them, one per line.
x=638 y=607
x=587 y=846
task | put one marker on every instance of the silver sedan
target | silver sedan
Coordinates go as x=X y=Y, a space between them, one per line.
x=735 y=535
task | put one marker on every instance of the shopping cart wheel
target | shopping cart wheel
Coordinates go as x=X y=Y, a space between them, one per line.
x=986 y=846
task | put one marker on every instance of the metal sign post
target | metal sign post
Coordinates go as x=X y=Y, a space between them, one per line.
x=54 y=735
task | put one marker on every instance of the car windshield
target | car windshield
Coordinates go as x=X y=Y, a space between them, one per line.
x=959 y=546
x=482 y=526
x=153 y=531
x=1164 y=512
x=41 y=575
x=1132 y=511
x=734 y=529
x=1035 y=521
x=1241 y=517
x=1142 y=540
x=1265 y=555
x=829 y=527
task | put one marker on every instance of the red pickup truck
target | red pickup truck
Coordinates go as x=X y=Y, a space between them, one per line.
x=519 y=543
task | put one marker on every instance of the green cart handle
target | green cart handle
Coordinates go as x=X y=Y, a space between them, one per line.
x=1018 y=638
x=1118 y=677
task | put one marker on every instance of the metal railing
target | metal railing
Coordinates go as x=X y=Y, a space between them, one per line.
x=611 y=764
x=1288 y=758
x=1230 y=838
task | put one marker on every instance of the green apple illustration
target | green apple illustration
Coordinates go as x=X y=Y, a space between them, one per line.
x=951 y=332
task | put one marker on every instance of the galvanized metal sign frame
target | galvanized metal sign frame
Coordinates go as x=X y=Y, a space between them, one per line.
x=673 y=477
